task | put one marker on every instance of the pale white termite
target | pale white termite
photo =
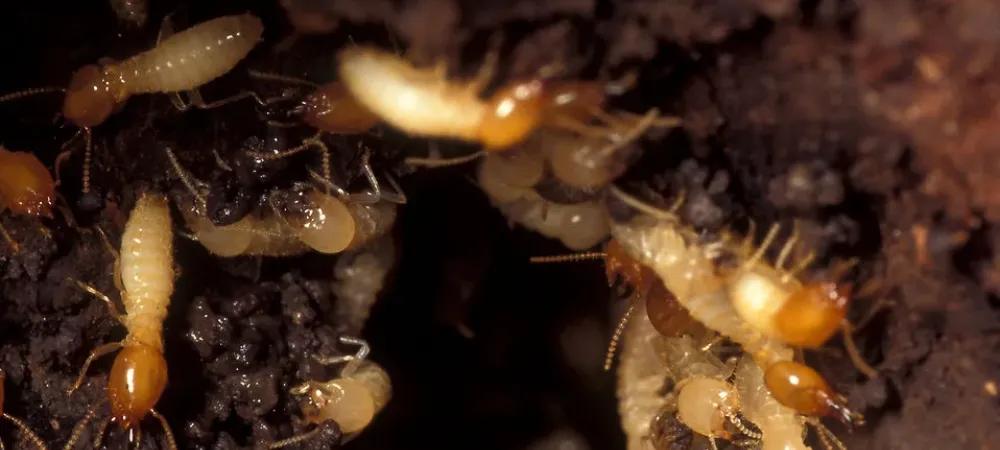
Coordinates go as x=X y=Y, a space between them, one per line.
x=360 y=276
x=145 y=273
x=688 y=270
x=181 y=62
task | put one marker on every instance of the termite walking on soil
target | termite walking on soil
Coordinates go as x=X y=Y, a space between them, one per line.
x=30 y=435
x=688 y=270
x=351 y=400
x=26 y=188
x=145 y=275
x=181 y=62
x=423 y=102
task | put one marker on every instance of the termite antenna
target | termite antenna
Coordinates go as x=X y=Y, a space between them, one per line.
x=30 y=93
x=609 y=358
x=87 y=157
x=759 y=254
x=362 y=353
x=294 y=439
x=444 y=162
x=668 y=215
x=779 y=264
x=738 y=423
x=576 y=257
x=826 y=436
x=78 y=429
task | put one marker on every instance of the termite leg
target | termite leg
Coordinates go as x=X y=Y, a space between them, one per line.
x=443 y=162
x=489 y=67
x=118 y=270
x=329 y=185
x=786 y=250
x=854 y=354
x=166 y=28
x=267 y=76
x=363 y=351
x=376 y=194
x=195 y=100
x=97 y=353
x=6 y=236
x=609 y=358
x=756 y=257
x=171 y=442
x=112 y=308
x=194 y=185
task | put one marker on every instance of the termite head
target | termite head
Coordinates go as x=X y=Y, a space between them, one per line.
x=26 y=186
x=352 y=401
x=138 y=378
x=801 y=388
x=513 y=113
x=704 y=404
x=575 y=99
x=89 y=99
x=332 y=108
x=620 y=265
x=812 y=314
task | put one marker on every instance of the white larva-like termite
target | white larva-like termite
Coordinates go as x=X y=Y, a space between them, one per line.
x=641 y=376
x=139 y=374
x=360 y=277
x=190 y=58
x=688 y=271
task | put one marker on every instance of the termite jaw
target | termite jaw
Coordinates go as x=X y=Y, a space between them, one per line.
x=838 y=405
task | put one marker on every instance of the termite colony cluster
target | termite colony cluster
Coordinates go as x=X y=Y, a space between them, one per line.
x=711 y=343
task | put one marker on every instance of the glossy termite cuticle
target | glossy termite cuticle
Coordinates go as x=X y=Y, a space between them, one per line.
x=352 y=400
x=145 y=276
x=775 y=301
x=26 y=189
x=438 y=107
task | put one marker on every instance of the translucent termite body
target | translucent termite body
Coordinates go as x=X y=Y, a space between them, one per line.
x=360 y=276
x=688 y=270
x=423 y=102
x=145 y=273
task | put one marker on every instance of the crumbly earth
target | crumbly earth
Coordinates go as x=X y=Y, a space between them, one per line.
x=872 y=124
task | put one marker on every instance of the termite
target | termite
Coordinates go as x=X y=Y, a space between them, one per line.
x=360 y=276
x=295 y=221
x=26 y=188
x=351 y=400
x=145 y=276
x=328 y=108
x=688 y=270
x=578 y=227
x=781 y=426
x=772 y=299
x=423 y=102
x=30 y=435
x=133 y=13
x=181 y=62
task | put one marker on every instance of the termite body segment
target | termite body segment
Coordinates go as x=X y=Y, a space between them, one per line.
x=139 y=374
x=30 y=435
x=181 y=62
x=641 y=377
x=781 y=426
